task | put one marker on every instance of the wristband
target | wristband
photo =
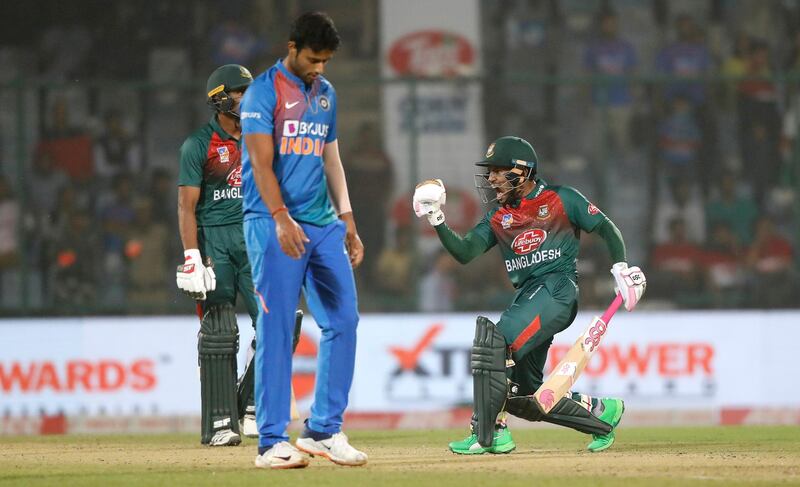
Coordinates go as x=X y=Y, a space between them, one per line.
x=282 y=208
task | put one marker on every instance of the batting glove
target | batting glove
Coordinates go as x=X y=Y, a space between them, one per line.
x=193 y=277
x=429 y=197
x=630 y=283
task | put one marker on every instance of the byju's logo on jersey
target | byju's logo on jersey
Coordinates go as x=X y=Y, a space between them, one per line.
x=528 y=241
x=224 y=154
x=507 y=221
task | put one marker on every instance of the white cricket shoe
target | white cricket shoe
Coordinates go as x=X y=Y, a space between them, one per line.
x=249 y=426
x=336 y=449
x=225 y=437
x=282 y=455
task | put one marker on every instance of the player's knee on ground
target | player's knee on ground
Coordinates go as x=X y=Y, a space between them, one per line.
x=217 y=345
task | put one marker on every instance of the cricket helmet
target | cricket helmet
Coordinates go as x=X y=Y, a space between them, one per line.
x=509 y=152
x=224 y=80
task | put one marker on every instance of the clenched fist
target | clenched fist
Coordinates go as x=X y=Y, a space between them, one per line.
x=429 y=197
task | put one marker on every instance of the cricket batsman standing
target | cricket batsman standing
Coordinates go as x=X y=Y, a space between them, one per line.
x=210 y=224
x=537 y=227
x=300 y=233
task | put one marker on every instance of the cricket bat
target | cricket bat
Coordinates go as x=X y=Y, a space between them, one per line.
x=571 y=366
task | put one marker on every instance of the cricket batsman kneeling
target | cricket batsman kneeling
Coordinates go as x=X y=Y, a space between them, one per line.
x=537 y=227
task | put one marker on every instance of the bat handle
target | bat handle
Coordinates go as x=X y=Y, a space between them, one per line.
x=612 y=308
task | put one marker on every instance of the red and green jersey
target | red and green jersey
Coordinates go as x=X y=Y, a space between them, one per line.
x=211 y=160
x=540 y=235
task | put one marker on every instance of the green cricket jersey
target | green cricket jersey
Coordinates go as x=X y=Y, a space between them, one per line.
x=541 y=235
x=211 y=160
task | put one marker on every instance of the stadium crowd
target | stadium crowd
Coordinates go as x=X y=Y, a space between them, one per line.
x=680 y=119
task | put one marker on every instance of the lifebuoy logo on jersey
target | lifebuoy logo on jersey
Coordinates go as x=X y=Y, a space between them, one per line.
x=528 y=241
x=303 y=138
x=525 y=245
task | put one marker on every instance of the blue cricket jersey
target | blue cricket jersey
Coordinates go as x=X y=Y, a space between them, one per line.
x=301 y=119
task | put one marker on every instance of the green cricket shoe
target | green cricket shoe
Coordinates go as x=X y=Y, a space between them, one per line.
x=612 y=414
x=502 y=443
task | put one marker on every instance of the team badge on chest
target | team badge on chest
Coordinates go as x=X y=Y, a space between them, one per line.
x=507 y=221
x=224 y=154
x=543 y=213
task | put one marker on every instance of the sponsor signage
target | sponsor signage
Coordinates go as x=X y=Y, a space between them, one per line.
x=404 y=363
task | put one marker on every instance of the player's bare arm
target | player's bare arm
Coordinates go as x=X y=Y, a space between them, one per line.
x=290 y=234
x=188 y=196
x=337 y=186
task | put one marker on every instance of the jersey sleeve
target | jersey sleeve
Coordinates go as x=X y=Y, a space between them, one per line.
x=332 y=127
x=192 y=160
x=258 y=109
x=581 y=212
x=483 y=230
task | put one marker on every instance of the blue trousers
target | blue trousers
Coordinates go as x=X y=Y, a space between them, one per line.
x=325 y=275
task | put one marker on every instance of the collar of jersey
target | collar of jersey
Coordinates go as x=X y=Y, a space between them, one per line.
x=296 y=79
x=537 y=190
x=218 y=128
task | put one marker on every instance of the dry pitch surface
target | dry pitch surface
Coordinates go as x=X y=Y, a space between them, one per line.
x=544 y=457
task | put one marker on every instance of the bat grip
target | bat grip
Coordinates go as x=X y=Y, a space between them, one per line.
x=612 y=308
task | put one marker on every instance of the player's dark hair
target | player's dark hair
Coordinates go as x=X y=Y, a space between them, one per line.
x=316 y=31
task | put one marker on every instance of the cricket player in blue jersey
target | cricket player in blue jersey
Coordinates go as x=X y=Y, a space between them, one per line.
x=300 y=234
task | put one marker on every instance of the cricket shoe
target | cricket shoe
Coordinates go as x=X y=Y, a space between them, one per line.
x=612 y=414
x=225 y=437
x=249 y=427
x=502 y=443
x=282 y=455
x=335 y=448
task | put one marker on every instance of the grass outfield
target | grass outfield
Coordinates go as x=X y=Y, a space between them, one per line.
x=544 y=457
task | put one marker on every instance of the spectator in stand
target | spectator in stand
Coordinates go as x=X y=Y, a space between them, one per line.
x=438 y=290
x=722 y=262
x=234 y=43
x=76 y=250
x=735 y=65
x=610 y=55
x=116 y=151
x=116 y=217
x=675 y=266
x=732 y=208
x=394 y=271
x=759 y=123
x=150 y=278
x=370 y=170
x=679 y=139
x=9 y=242
x=685 y=204
x=689 y=57
x=770 y=261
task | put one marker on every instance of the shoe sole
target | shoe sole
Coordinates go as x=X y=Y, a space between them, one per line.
x=283 y=467
x=324 y=454
x=467 y=452
x=236 y=442
x=507 y=448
